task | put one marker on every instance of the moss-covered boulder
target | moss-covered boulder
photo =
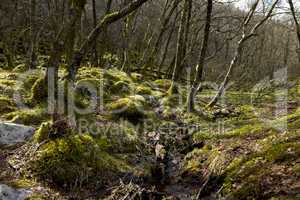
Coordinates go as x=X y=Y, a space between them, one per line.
x=120 y=88
x=114 y=75
x=76 y=160
x=27 y=117
x=143 y=90
x=131 y=108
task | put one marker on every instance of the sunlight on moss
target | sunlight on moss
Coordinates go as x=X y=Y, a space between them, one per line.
x=42 y=133
x=76 y=159
x=39 y=91
x=131 y=108
x=28 y=117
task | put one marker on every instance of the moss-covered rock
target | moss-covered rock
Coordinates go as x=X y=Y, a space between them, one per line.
x=136 y=77
x=76 y=160
x=143 y=90
x=39 y=91
x=120 y=88
x=20 y=68
x=28 y=117
x=89 y=72
x=131 y=108
x=163 y=83
x=115 y=75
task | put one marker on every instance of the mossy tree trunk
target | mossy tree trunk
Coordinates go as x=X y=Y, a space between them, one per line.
x=63 y=41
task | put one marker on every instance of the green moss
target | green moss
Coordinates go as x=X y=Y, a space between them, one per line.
x=292 y=121
x=22 y=183
x=43 y=132
x=36 y=196
x=136 y=77
x=86 y=89
x=243 y=180
x=30 y=80
x=89 y=73
x=143 y=90
x=76 y=160
x=39 y=91
x=6 y=105
x=282 y=151
x=7 y=82
x=207 y=158
x=235 y=164
x=244 y=176
x=297 y=169
x=115 y=75
x=163 y=83
x=131 y=108
x=28 y=117
x=122 y=137
x=20 y=68
x=204 y=135
x=245 y=131
x=247 y=112
x=120 y=87
x=111 y=60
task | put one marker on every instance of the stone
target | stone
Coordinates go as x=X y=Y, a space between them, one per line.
x=8 y=193
x=11 y=134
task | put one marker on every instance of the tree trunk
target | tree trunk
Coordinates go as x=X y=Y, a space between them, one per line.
x=95 y=55
x=62 y=41
x=200 y=65
x=179 y=48
x=297 y=26
x=32 y=54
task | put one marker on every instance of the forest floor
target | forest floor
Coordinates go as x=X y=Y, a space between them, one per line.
x=140 y=143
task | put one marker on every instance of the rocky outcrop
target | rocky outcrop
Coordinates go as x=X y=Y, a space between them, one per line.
x=8 y=193
x=11 y=134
